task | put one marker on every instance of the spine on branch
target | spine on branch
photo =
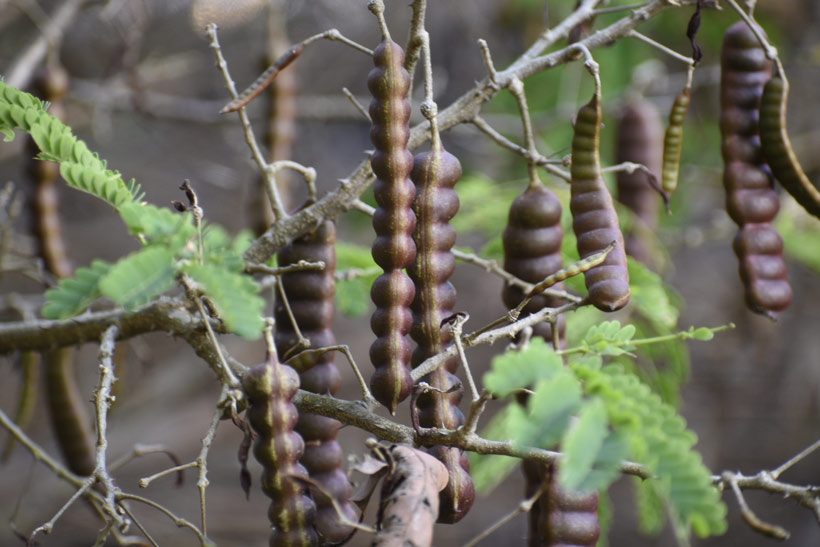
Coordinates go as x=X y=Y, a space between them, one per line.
x=435 y=174
x=393 y=222
x=310 y=295
x=593 y=215
x=532 y=251
x=270 y=386
x=638 y=138
x=750 y=197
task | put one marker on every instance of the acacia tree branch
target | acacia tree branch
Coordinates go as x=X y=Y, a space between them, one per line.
x=462 y=110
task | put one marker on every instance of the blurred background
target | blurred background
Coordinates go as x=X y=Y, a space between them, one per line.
x=144 y=93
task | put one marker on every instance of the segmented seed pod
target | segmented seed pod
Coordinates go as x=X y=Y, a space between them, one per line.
x=310 y=295
x=777 y=148
x=270 y=386
x=594 y=219
x=638 y=137
x=435 y=174
x=393 y=221
x=567 y=519
x=532 y=251
x=750 y=197
x=673 y=141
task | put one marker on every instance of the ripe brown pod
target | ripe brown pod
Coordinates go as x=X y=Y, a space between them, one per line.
x=393 y=222
x=750 y=197
x=532 y=251
x=567 y=518
x=594 y=219
x=777 y=148
x=638 y=137
x=269 y=387
x=310 y=295
x=435 y=174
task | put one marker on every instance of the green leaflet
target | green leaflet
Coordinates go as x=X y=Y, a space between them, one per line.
x=139 y=277
x=657 y=437
x=608 y=338
x=582 y=443
x=486 y=470
x=220 y=250
x=652 y=298
x=80 y=168
x=157 y=225
x=74 y=294
x=353 y=295
x=515 y=370
x=234 y=295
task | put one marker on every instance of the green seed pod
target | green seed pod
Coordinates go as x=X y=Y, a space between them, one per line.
x=594 y=219
x=638 y=141
x=673 y=141
x=393 y=221
x=270 y=387
x=532 y=251
x=435 y=174
x=310 y=295
x=750 y=197
x=777 y=148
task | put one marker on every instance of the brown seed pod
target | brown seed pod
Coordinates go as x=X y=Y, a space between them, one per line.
x=777 y=148
x=310 y=295
x=567 y=518
x=638 y=137
x=270 y=386
x=750 y=197
x=673 y=141
x=532 y=251
x=594 y=219
x=435 y=174
x=393 y=221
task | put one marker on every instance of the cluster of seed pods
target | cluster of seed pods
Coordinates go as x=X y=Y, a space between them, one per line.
x=393 y=221
x=638 y=138
x=435 y=174
x=594 y=220
x=750 y=197
x=310 y=296
x=269 y=387
x=532 y=251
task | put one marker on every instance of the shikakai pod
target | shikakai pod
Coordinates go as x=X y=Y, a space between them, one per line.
x=310 y=295
x=751 y=200
x=269 y=387
x=673 y=141
x=393 y=222
x=638 y=140
x=566 y=519
x=594 y=219
x=66 y=404
x=532 y=251
x=435 y=174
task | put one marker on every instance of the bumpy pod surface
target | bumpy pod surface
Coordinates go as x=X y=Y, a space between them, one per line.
x=750 y=197
x=594 y=220
x=435 y=174
x=270 y=387
x=567 y=519
x=638 y=137
x=777 y=147
x=532 y=251
x=393 y=222
x=310 y=295
x=673 y=141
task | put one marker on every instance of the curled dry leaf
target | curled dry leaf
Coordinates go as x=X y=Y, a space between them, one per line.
x=409 y=500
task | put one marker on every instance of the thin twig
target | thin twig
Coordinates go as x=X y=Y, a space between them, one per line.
x=300 y=266
x=765 y=528
x=524 y=507
x=660 y=47
x=357 y=105
x=775 y=473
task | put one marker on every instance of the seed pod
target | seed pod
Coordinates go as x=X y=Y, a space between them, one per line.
x=594 y=220
x=638 y=138
x=532 y=251
x=567 y=518
x=393 y=221
x=750 y=197
x=310 y=295
x=777 y=148
x=673 y=141
x=435 y=174
x=270 y=386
